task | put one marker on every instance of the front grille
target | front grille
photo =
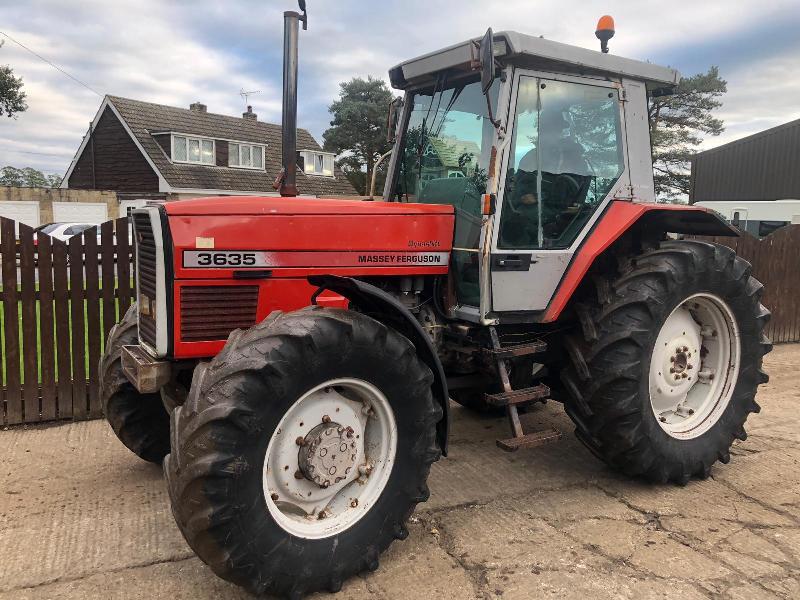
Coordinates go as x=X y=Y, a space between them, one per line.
x=145 y=275
x=212 y=312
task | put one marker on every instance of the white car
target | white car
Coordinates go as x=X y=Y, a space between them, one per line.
x=64 y=231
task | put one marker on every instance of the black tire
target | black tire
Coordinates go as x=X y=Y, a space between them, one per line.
x=220 y=435
x=473 y=399
x=139 y=420
x=520 y=376
x=606 y=381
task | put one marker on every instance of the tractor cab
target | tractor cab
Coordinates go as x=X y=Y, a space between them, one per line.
x=530 y=142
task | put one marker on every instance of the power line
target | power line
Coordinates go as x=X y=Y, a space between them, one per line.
x=37 y=153
x=55 y=66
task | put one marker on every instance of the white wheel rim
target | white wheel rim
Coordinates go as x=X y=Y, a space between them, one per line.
x=352 y=415
x=694 y=366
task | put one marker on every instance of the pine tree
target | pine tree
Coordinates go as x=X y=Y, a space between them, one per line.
x=677 y=126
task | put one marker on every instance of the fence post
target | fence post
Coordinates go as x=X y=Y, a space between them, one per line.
x=30 y=361
x=78 y=327
x=46 y=323
x=64 y=354
x=8 y=244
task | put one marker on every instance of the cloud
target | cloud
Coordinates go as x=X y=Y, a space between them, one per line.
x=179 y=52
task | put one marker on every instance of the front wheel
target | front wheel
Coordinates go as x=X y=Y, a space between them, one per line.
x=138 y=420
x=666 y=372
x=302 y=450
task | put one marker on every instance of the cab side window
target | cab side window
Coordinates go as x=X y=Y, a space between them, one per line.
x=566 y=156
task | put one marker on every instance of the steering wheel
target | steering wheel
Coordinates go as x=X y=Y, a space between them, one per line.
x=552 y=179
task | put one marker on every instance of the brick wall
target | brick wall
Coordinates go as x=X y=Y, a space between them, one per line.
x=46 y=196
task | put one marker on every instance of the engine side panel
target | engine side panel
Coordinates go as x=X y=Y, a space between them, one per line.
x=232 y=270
x=302 y=245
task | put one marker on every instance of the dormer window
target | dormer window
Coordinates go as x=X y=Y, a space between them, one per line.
x=193 y=150
x=246 y=156
x=317 y=163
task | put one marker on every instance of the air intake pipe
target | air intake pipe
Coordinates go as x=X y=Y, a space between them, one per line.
x=291 y=25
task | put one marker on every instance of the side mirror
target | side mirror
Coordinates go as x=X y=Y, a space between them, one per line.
x=487 y=60
x=393 y=118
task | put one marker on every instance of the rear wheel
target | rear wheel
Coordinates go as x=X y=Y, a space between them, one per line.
x=666 y=371
x=139 y=420
x=302 y=450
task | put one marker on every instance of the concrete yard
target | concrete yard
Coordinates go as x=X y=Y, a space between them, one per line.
x=81 y=517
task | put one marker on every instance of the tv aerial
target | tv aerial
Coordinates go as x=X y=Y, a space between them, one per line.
x=246 y=96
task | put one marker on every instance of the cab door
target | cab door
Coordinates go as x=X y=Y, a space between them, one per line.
x=564 y=163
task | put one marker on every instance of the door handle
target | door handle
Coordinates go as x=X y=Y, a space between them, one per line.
x=511 y=262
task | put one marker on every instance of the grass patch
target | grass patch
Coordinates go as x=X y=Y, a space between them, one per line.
x=62 y=349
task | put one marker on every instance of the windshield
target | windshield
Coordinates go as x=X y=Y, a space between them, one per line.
x=447 y=144
x=445 y=160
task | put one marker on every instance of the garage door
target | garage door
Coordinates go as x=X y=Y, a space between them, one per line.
x=80 y=212
x=125 y=206
x=23 y=212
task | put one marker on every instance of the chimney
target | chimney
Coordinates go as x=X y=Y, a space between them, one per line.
x=250 y=114
x=198 y=107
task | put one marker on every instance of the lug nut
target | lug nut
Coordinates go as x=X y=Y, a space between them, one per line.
x=684 y=375
x=672 y=369
x=326 y=419
x=690 y=366
x=671 y=359
x=300 y=441
x=299 y=475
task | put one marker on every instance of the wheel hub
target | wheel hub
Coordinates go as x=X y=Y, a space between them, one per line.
x=698 y=340
x=329 y=458
x=680 y=358
x=328 y=454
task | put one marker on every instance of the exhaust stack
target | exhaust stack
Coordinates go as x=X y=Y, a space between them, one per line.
x=291 y=22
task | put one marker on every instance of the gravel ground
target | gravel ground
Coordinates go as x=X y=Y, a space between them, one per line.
x=81 y=517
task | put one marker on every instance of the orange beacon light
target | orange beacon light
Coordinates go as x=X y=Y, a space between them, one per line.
x=605 y=31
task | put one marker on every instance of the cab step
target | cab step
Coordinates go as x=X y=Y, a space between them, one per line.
x=531 y=440
x=511 y=399
x=500 y=352
x=516 y=397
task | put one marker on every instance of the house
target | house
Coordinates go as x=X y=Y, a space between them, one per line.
x=448 y=157
x=143 y=149
x=753 y=181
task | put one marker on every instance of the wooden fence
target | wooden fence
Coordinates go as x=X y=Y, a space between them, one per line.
x=776 y=263
x=59 y=302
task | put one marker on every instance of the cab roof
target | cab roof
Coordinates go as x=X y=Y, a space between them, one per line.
x=519 y=49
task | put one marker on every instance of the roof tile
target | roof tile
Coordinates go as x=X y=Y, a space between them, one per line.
x=146 y=118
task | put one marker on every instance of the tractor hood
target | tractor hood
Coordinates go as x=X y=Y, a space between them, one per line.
x=269 y=205
x=240 y=236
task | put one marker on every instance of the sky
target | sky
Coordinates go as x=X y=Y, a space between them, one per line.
x=181 y=51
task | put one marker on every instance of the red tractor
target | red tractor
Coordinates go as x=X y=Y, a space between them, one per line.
x=291 y=360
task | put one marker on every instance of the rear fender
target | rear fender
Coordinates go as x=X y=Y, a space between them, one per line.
x=388 y=310
x=643 y=219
